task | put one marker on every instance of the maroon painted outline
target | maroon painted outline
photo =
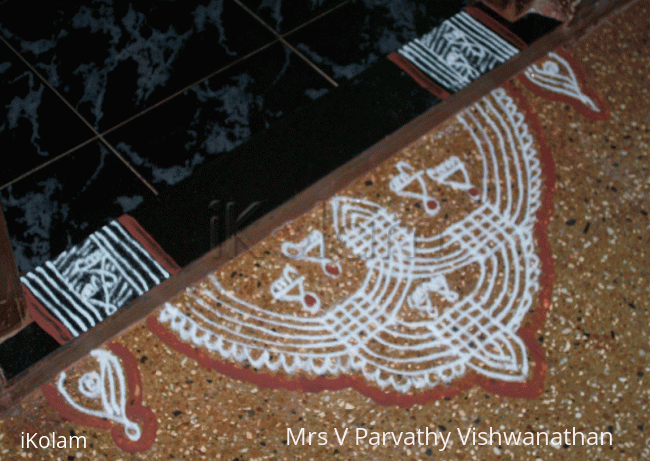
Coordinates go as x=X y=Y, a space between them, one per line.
x=581 y=108
x=134 y=228
x=426 y=82
x=420 y=77
x=532 y=388
x=44 y=319
x=496 y=27
x=135 y=411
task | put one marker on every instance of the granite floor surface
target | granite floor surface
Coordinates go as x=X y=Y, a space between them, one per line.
x=583 y=366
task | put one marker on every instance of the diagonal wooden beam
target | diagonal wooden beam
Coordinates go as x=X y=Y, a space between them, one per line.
x=13 y=312
x=512 y=10
x=592 y=13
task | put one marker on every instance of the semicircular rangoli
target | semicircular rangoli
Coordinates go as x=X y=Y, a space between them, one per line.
x=434 y=284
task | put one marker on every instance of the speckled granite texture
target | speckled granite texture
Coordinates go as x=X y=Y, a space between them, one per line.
x=594 y=338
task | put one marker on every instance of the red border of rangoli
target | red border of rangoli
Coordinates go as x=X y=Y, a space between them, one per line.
x=44 y=319
x=581 y=108
x=420 y=77
x=529 y=389
x=147 y=241
x=135 y=411
x=496 y=27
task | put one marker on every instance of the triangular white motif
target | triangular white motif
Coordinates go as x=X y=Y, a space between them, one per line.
x=290 y=281
x=408 y=176
x=300 y=252
x=447 y=169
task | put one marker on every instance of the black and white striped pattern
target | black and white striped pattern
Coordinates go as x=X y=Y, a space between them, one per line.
x=458 y=51
x=91 y=281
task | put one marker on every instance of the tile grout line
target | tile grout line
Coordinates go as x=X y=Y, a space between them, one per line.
x=81 y=117
x=290 y=46
x=310 y=63
x=48 y=162
x=100 y=136
x=324 y=13
x=135 y=116
x=179 y=92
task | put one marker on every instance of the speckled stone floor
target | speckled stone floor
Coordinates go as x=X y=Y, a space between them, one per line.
x=582 y=362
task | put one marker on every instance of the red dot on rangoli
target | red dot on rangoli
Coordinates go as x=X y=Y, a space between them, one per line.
x=473 y=191
x=310 y=300
x=432 y=204
x=332 y=269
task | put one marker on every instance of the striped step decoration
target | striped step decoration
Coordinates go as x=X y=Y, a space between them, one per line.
x=91 y=281
x=457 y=52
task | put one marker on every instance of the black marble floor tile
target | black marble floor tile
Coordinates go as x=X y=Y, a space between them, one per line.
x=285 y=15
x=35 y=125
x=213 y=117
x=67 y=200
x=279 y=162
x=352 y=38
x=113 y=60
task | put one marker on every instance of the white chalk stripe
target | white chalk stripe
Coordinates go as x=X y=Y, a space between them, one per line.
x=117 y=243
x=127 y=236
x=36 y=290
x=64 y=288
x=125 y=269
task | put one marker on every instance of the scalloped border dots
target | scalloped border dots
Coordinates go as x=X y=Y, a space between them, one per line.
x=117 y=387
x=178 y=332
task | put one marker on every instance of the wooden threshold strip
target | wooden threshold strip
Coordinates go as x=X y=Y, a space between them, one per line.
x=13 y=311
x=590 y=14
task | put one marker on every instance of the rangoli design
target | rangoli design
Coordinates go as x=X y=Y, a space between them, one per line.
x=304 y=248
x=457 y=52
x=85 y=284
x=435 y=312
x=558 y=77
x=109 y=398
